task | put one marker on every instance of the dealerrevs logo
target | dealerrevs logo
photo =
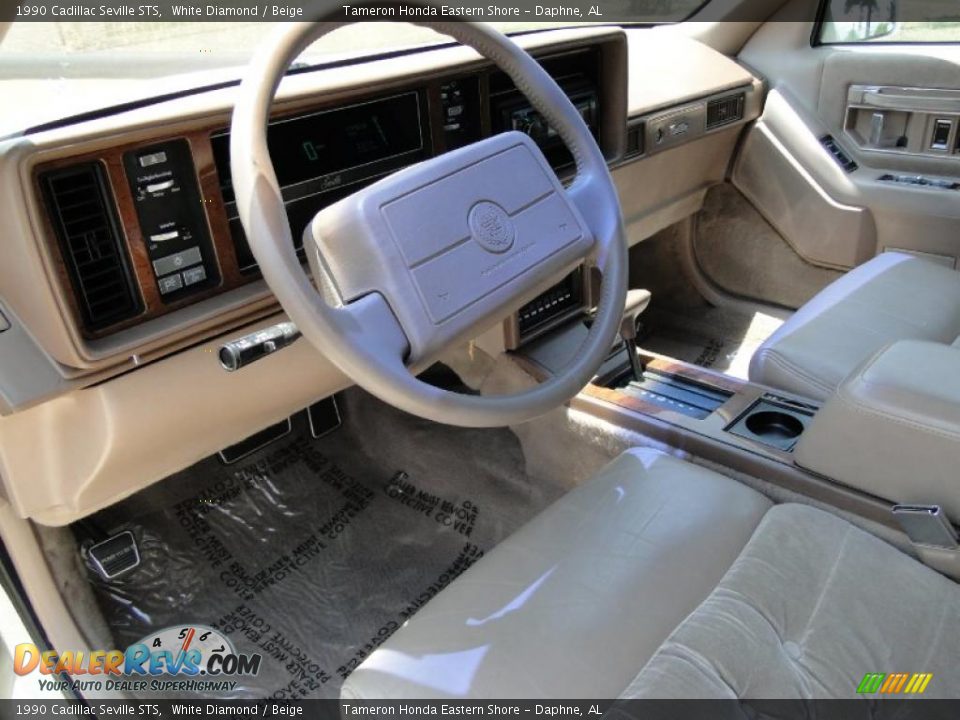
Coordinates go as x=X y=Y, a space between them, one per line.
x=180 y=653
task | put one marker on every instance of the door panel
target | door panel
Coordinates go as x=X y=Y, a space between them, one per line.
x=909 y=88
x=793 y=181
x=831 y=216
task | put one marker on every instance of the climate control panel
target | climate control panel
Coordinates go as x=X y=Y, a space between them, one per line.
x=170 y=210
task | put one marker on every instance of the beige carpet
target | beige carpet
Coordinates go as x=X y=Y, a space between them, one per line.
x=718 y=338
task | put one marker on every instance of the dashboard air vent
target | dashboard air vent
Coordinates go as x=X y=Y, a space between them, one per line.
x=725 y=110
x=561 y=300
x=84 y=219
x=843 y=160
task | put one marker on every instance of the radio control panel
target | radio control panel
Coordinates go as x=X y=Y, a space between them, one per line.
x=460 y=108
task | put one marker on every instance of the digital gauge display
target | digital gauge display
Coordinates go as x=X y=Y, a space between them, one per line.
x=322 y=156
x=315 y=148
x=312 y=146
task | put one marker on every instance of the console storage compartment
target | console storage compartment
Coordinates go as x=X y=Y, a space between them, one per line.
x=892 y=427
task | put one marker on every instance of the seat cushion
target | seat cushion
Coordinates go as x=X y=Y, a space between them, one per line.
x=810 y=607
x=892 y=297
x=577 y=601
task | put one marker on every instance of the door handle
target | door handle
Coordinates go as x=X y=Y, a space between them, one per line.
x=905 y=99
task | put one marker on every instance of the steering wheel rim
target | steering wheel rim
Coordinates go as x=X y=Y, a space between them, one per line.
x=345 y=337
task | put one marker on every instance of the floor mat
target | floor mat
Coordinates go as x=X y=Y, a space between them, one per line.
x=312 y=552
x=718 y=338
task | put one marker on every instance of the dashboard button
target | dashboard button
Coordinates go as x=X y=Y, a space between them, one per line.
x=154 y=158
x=170 y=283
x=177 y=261
x=194 y=275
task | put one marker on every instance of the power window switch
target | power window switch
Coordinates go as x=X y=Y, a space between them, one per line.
x=170 y=283
x=941 y=134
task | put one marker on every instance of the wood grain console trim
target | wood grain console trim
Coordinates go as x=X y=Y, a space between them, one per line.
x=633 y=403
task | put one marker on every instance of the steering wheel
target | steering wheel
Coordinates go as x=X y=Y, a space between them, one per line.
x=438 y=252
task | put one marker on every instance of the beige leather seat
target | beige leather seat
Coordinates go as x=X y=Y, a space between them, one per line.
x=659 y=578
x=892 y=297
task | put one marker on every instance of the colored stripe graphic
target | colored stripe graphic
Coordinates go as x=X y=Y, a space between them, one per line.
x=914 y=683
x=889 y=683
x=870 y=683
x=894 y=683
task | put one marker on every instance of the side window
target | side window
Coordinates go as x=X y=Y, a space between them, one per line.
x=889 y=21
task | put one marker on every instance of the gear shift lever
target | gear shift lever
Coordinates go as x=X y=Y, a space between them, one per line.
x=637 y=302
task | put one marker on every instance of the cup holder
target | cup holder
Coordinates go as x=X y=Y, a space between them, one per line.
x=774 y=425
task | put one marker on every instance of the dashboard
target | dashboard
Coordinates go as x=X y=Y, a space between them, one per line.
x=122 y=243
x=123 y=268
x=142 y=230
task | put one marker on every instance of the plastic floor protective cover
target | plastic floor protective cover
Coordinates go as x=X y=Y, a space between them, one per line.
x=311 y=552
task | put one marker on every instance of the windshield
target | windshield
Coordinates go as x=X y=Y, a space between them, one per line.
x=51 y=70
x=57 y=69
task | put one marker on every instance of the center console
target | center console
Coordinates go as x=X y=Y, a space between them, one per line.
x=724 y=409
x=885 y=445
x=892 y=428
x=720 y=408
x=737 y=424
x=889 y=434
